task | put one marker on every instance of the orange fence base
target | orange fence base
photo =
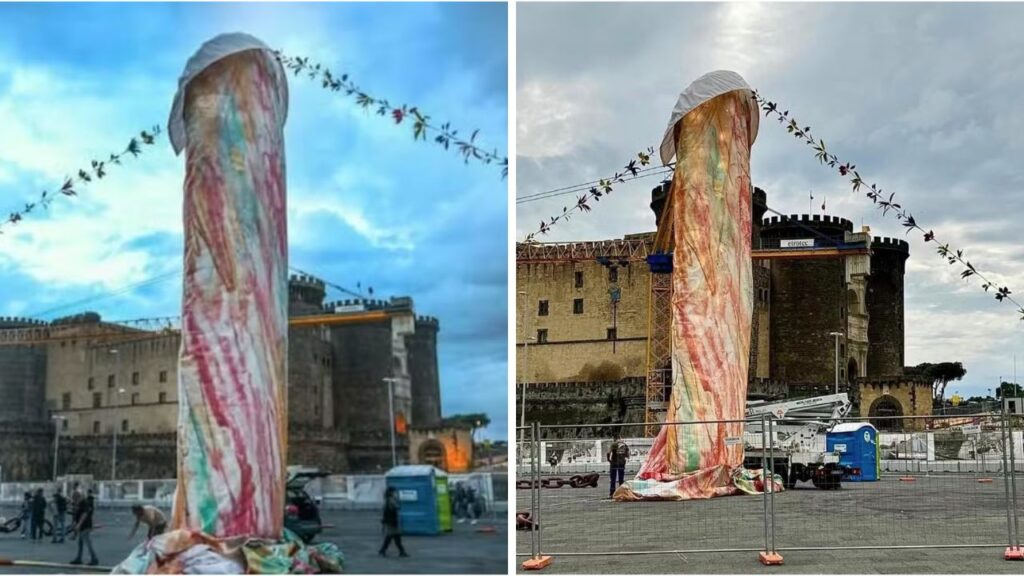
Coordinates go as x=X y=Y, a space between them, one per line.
x=537 y=563
x=907 y=479
x=487 y=530
x=770 y=558
x=984 y=480
x=1014 y=553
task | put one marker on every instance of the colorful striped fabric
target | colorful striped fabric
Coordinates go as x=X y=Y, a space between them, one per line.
x=712 y=303
x=232 y=421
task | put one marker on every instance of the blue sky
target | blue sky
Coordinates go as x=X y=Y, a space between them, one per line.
x=366 y=203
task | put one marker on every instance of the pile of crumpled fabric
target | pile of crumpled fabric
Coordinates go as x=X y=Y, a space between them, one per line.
x=706 y=483
x=186 y=552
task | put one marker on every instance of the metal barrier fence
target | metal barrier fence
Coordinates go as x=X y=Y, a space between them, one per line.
x=911 y=483
x=335 y=491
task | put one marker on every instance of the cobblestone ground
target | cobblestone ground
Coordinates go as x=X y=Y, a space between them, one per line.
x=464 y=551
x=946 y=510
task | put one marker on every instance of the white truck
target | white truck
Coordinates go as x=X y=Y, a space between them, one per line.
x=797 y=443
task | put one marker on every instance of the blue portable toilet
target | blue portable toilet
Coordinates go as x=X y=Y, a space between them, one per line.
x=857 y=444
x=423 y=498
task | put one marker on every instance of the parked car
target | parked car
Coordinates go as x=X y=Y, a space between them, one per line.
x=302 y=515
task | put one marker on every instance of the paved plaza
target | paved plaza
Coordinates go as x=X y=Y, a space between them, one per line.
x=723 y=535
x=358 y=533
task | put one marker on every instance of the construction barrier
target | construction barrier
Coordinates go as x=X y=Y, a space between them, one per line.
x=897 y=482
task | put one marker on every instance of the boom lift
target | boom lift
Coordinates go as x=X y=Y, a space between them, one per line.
x=797 y=443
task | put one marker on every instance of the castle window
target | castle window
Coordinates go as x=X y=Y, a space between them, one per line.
x=135 y=378
x=613 y=274
x=613 y=334
x=163 y=397
x=64 y=424
x=65 y=401
x=97 y=400
x=110 y=381
x=90 y=384
x=542 y=336
x=135 y=398
x=163 y=376
x=542 y=308
x=95 y=427
x=124 y=425
x=579 y=279
x=316 y=409
x=577 y=306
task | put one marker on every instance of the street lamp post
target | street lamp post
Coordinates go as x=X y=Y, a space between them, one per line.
x=391 y=418
x=837 y=336
x=113 y=460
x=117 y=382
x=56 y=442
x=522 y=378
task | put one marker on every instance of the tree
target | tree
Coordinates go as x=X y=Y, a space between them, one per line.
x=471 y=421
x=940 y=374
x=1009 y=390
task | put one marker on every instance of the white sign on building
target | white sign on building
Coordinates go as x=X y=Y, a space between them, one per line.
x=799 y=243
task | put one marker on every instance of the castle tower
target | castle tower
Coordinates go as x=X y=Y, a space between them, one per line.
x=305 y=295
x=426 y=383
x=885 y=307
x=808 y=302
x=22 y=378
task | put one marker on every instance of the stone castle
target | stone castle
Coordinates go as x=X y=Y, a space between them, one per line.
x=588 y=317
x=89 y=380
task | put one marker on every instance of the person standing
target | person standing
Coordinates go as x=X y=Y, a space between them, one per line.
x=392 y=531
x=76 y=501
x=83 y=525
x=618 y=455
x=26 y=515
x=38 y=514
x=60 y=509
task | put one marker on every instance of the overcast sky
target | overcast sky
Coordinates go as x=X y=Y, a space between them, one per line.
x=366 y=203
x=923 y=98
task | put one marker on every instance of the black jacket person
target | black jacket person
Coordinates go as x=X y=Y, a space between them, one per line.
x=617 y=456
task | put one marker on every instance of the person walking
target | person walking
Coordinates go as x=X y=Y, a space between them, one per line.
x=459 y=501
x=26 y=515
x=38 y=514
x=392 y=531
x=60 y=510
x=152 y=517
x=617 y=456
x=76 y=501
x=83 y=526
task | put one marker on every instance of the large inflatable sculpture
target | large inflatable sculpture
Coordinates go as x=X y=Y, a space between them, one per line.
x=708 y=214
x=229 y=116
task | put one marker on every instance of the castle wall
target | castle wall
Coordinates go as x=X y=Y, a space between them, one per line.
x=26 y=451
x=426 y=383
x=885 y=307
x=614 y=402
x=22 y=379
x=362 y=359
x=578 y=345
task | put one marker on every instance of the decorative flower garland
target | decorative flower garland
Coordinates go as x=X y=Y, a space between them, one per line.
x=446 y=136
x=887 y=204
x=884 y=203
x=98 y=170
x=603 y=188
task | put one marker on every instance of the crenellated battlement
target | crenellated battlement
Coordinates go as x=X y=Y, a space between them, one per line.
x=306 y=281
x=427 y=321
x=19 y=322
x=812 y=220
x=893 y=244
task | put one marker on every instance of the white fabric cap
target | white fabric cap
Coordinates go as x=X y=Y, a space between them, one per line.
x=210 y=52
x=698 y=92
